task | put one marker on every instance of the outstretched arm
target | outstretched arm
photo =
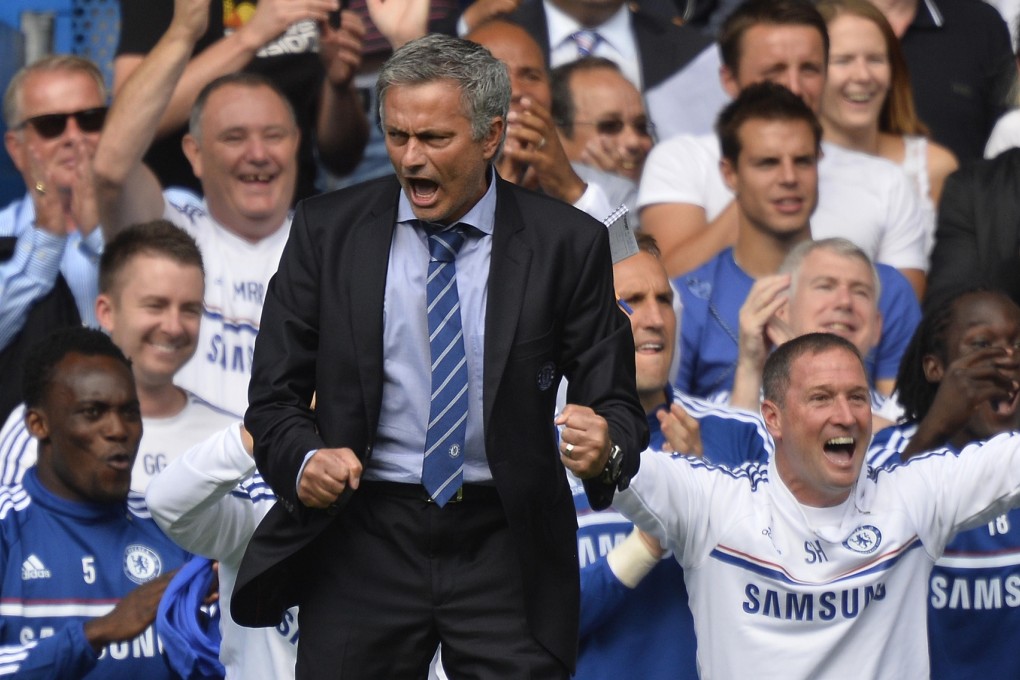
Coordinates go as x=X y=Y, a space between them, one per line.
x=128 y=191
x=342 y=128
x=229 y=54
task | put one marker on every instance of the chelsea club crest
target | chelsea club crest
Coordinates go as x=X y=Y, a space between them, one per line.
x=141 y=563
x=865 y=539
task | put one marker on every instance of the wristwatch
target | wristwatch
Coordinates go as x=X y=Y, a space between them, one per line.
x=613 y=472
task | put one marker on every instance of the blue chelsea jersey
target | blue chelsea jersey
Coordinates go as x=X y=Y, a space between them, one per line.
x=63 y=563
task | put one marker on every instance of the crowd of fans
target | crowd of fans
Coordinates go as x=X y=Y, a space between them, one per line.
x=846 y=167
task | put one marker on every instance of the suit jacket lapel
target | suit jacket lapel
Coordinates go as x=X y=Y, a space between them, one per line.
x=366 y=295
x=508 y=274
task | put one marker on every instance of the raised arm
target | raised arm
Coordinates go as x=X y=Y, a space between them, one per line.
x=31 y=272
x=342 y=127
x=968 y=382
x=128 y=191
x=227 y=55
x=767 y=295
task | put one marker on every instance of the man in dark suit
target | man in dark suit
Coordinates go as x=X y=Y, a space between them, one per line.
x=384 y=562
x=977 y=238
x=674 y=66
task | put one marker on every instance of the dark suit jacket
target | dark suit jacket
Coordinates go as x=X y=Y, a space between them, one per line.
x=977 y=241
x=551 y=306
x=663 y=46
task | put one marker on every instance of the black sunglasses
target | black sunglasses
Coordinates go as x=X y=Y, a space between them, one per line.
x=52 y=125
x=614 y=127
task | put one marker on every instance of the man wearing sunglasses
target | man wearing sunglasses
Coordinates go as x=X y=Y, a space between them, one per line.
x=54 y=110
x=600 y=116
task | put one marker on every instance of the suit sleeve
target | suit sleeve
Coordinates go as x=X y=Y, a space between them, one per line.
x=600 y=363
x=955 y=263
x=284 y=366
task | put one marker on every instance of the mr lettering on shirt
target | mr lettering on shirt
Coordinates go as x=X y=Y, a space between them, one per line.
x=233 y=346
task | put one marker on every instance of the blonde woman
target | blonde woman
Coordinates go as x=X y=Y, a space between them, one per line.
x=867 y=104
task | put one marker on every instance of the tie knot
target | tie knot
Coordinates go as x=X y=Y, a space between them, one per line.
x=444 y=245
x=586 y=41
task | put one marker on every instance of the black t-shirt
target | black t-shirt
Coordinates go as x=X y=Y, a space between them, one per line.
x=292 y=62
x=961 y=70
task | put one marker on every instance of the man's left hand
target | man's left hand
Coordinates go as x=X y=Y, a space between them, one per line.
x=584 y=441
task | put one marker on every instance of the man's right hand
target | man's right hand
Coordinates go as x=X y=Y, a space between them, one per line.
x=130 y=617
x=326 y=475
x=767 y=295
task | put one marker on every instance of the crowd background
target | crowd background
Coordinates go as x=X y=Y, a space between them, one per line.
x=886 y=106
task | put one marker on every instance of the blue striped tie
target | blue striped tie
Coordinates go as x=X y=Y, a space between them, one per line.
x=442 y=471
x=586 y=42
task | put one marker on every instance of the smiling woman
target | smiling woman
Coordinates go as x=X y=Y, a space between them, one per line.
x=868 y=105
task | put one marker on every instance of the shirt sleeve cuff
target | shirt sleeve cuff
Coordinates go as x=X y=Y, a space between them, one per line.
x=595 y=202
x=94 y=243
x=301 y=471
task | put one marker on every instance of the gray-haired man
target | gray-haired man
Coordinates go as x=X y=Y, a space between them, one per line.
x=397 y=530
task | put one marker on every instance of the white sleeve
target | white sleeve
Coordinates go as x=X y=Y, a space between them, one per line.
x=192 y=499
x=671 y=498
x=18 y=448
x=1005 y=135
x=953 y=492
x=908 y=228
x=595 y=202
x=675 y=172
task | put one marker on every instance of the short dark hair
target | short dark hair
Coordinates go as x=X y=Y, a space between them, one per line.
x=646 y=243
x=776 y=374
x=774 y=12
x=159 y=237
x=41 y=362
x=241 y=79
x=563 y=110
x=762 y=101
